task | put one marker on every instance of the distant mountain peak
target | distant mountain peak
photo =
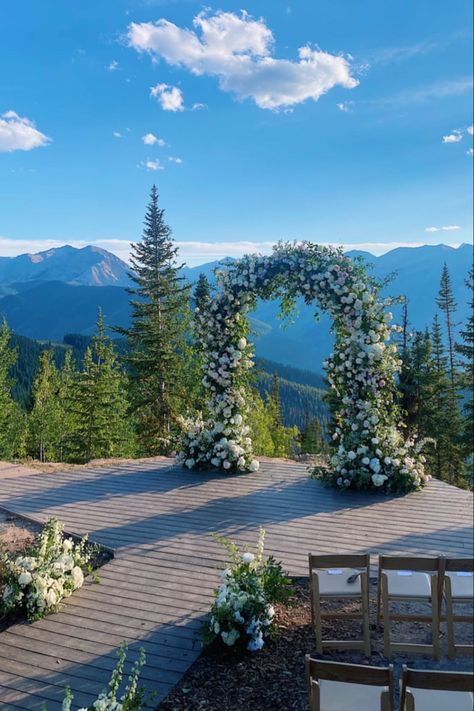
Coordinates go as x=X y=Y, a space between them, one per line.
x=85 y=266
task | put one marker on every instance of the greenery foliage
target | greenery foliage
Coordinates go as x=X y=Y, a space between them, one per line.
x=242 y=611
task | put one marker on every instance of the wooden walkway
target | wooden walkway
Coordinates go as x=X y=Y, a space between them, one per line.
x=158 y=519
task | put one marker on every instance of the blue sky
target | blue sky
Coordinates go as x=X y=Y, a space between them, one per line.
x=337 y=121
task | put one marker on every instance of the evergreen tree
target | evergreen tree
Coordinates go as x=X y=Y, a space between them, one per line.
x=448 y=306
x=260 y=423
x=12 y=421
x=202 y=292
x=446 y=420
x=66 y=384
x=274 y=402
x=157 y=335
x=44 y=422
x=101 y=425
x=466 y=350
x=312 y=440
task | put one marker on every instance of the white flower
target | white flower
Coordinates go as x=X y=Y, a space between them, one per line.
x=242 y=343
x=25 y=578
x=50 y=598
x=375 y=465
x=189 y=463
x=247 y=557
x=231 y=637
x=378 y=479
x=254 y=465
x=351 y=455
x=77 y=577
x=226 y=464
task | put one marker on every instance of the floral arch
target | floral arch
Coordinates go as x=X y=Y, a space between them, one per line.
x=369 y=448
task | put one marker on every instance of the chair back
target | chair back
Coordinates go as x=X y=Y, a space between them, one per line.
x=344 y=560
x=459 y=565
x=414 y=563
x=433 y=680
x=318 y=670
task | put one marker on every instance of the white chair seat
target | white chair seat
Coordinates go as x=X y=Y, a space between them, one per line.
x=334 y=584
x=431 y=700
x=341 y=696
x=462 y=587
x=416 y=585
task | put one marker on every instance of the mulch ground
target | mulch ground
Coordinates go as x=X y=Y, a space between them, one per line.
x=223 y=679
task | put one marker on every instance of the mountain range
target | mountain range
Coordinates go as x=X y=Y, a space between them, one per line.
x=46 y=295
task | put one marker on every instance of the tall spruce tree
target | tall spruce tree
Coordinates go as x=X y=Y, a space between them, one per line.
x=12 y=419
x=446 y=417
x=66 y=383
x=44 y=421
x=466 y=350
x=157 y=335
x=202 y=292
x=448 y=306
x=102 y=427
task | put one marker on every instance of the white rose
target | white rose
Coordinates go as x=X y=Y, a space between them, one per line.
x=247 y=557
x=378 y=479
x=25 y=578
x=189 y=463
x=77 y=577
x=254 y=465
x=242 y=343
x=351 y=455
x=375 y=465
x=226 y=464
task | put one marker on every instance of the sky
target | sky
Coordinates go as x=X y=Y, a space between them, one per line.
x=334 y=121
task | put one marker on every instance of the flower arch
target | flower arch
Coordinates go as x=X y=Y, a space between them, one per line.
x=369 y=448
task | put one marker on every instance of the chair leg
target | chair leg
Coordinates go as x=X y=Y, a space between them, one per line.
x=317 y=615
x=365 y=613
x=435 y=617
x=387 y=649
x=379 y=593
x=449 y=620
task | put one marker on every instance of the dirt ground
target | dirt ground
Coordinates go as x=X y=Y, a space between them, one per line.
x=274 y=678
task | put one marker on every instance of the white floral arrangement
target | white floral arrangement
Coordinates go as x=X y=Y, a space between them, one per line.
x=242 y=611
x=37 y=582
x=109 y=700
x=370 y=451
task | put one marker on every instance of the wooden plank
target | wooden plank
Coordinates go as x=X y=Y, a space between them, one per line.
x=158 y=518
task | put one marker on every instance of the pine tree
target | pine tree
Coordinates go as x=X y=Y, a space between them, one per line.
x=466 y=350
x=448 y=306
x=66 y=382
x=12 y=420
x=44 y=422
x=102 y=427
x=274 y=402
x=312 y=440
x=446 y=420
x=202 y=292
x=157 y=335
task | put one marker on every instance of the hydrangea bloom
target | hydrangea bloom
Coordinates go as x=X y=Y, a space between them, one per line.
x=361 y=371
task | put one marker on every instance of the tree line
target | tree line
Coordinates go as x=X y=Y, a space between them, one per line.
x=131 y=397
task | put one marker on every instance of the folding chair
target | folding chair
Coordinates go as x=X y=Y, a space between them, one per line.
x=334 y=686
x=340 y=577
x=458 y=589
x=408 y=579
x=426 y=690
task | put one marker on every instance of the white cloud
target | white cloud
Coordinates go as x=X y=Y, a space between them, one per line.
x=237 y=49
x=175 y=159
x=453 y=137
x=470 y=152
x=113 y=66
x=117 y=134
x=470 y=129
x=170 y=97
x=151 y=164
x=198 y=106
x=149 y=139
x=345 y=106
x=445 y=228
x=19 y=134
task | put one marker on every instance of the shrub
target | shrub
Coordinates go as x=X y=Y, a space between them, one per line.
x=35 y=583
x=242 y=611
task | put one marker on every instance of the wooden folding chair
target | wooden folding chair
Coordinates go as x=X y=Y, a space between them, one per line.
x=333 y=686
x=458 y=589
x=340 y=577
x=427 y=690
x=409 y=579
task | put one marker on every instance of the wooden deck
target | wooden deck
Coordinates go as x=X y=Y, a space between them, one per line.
x=158 y=519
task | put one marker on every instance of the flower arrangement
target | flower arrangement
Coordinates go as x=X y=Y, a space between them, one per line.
x=370 y=451
x=242 y=611
x=132 y=698
x=36 y=583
